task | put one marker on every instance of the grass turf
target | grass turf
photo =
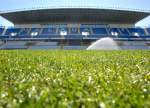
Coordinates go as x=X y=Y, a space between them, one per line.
x=75 y=79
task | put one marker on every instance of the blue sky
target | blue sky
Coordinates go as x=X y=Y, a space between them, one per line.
x=11 y=5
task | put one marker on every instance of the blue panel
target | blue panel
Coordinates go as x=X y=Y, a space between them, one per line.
x=35 y=30
x=136 y=30
x=48 y=31
x=1 y=30
x=148 y=30
x=101 y=31
x=24 y=32
x=124 y=31
x=74 y=31
x=9 y=31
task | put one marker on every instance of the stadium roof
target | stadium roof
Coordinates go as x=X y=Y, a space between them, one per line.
x=75 y=15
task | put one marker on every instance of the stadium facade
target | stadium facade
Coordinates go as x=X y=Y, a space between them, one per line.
x=73 y=27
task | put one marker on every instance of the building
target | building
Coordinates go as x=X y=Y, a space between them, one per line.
x=73 y=27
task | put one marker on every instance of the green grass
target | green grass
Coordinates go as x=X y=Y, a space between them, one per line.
x=75 y=79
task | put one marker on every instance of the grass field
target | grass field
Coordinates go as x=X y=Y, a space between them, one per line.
x=75 y=79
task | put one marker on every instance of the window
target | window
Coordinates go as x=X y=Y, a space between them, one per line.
x=13 y=34
x=34 y=33
x=85 y=33
x=63 y=33
x=114 y=33
x=136 y=34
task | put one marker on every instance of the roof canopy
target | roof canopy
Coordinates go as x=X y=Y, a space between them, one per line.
x=75 y=15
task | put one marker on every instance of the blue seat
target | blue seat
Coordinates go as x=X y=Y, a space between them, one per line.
x=114 y=30
x=1 y=30
x=48 y=31
x=85 y=30
x=74 y=31
x=140 y=31
x=63 y=29
x=99 y=31
x=35 y=30
x=148 y=30
x=24 y=33
x=123 y=32
x=11 y=31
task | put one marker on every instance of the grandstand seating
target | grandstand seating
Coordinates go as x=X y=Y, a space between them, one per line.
x=24 y=32
x=123 y=31
x=99 y=31
x=73 y=33
x=136 y=31
x=12 y=32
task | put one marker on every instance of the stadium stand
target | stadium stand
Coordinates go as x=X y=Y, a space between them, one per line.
x=74 y=25
x=73 y=33
x=126 y=36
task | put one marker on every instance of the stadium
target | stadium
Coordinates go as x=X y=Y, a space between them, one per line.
x=74 y=54
x=73 y=27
